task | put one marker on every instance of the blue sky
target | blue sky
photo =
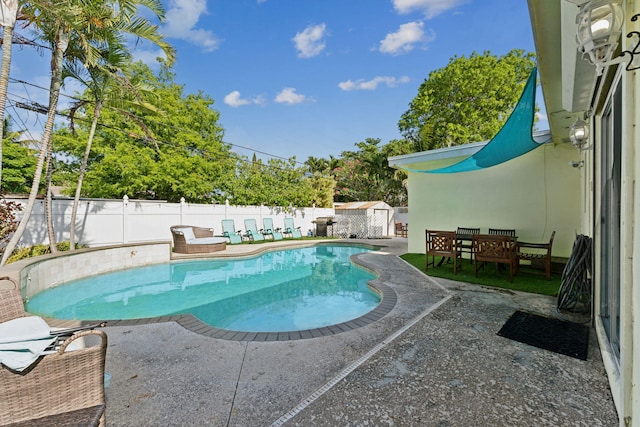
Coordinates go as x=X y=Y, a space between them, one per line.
x=313 y=77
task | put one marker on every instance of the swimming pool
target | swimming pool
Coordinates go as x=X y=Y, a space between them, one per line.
x=285 y=290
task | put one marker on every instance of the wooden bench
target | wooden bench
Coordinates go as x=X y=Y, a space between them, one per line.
x=500 y=249
x=537 y=252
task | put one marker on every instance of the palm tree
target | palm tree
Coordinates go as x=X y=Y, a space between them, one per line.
x=8 y=14
x=106 y=84
x=81 y=26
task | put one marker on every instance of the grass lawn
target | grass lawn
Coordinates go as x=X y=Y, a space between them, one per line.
x=526 y=280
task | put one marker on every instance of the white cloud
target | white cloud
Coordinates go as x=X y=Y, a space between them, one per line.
x=430 y=8
x=373 y=83
x=309 y=42
x=289 y=96
x=149 y=57
x=234 y=99
x=405 y=39
x=181 y=19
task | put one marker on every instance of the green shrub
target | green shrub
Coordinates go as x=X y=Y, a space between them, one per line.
x=37 y=250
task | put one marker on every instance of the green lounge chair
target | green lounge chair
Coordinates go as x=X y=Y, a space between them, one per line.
x=268 y=229
x=291 y=229
x=252 y=230
x=229 y=231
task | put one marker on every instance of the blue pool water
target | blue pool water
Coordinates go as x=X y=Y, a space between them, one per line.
x=286 y=290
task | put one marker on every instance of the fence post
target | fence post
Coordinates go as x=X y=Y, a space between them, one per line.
x=182 y=204
x=125 y=219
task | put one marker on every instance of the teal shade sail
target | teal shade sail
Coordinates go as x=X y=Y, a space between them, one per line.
x=513 y=140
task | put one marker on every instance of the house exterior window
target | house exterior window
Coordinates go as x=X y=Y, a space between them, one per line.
x=609 y=217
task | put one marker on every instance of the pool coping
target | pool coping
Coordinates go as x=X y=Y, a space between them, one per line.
x=193 y=324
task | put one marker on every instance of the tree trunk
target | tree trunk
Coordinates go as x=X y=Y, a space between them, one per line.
x=9 y=9
x=48 y=202
x=54 y=93
x=83 y=170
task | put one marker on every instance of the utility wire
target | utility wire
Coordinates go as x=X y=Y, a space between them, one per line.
x=34 y=107
x=75 y=98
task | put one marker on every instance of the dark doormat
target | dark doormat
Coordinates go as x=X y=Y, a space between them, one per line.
x=568 y=338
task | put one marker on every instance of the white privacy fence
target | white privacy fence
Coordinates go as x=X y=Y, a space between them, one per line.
x=103 y=222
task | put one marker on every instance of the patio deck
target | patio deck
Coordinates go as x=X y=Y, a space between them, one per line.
x=434 y=360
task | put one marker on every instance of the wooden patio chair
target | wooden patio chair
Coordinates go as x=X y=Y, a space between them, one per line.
x=401 y=229
x=511 y=232
x=465 y=240
x=65 y=387
x=497 y=248
x=536 y=252
x=443 y=244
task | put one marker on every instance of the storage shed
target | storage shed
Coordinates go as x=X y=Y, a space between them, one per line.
x=364 y=220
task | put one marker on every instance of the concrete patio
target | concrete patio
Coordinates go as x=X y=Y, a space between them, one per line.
x=434 y=360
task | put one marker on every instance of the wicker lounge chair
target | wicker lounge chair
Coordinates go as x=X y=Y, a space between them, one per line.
x=291 y=230
x=188 y=239
x=252 y=230
x=269 y=230
x=229 y=231
x=62 y=388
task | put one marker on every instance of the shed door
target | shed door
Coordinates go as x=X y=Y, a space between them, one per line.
x=380 y=222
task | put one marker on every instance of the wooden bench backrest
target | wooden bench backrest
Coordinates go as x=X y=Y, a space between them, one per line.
x=441 y=242
x=494 y=248
x=503 y=231
x=468 y=230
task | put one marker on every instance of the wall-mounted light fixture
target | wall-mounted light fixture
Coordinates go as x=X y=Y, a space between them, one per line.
x=579 y=134
x=577 y=164
x=599 y=28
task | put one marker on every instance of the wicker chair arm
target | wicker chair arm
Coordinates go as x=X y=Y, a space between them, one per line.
x=533 y=245
x=80 y=334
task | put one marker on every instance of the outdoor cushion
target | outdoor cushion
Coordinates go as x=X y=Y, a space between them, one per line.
x=23 y=341
x=187 y=232
x=206 y=241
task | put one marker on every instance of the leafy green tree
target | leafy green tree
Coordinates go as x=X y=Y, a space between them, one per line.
x=277 y=183
x=467 y=101
x=144 y=154
x=107 y=84
x=365 y=175
x=323 y=190
x=317 y=165
x=321 y=179
x=74 y=29
x=18 y=162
